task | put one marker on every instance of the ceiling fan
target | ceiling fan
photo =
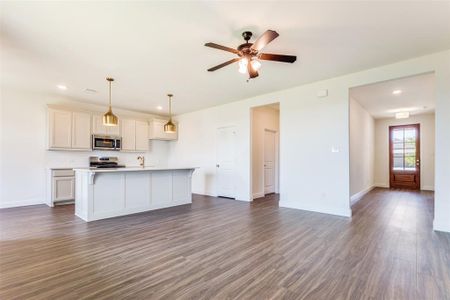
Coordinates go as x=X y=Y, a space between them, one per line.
x=249 y=54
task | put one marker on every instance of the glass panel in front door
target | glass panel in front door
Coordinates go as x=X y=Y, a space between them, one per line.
x=404 y=149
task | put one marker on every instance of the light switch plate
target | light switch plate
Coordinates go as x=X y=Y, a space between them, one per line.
x=335 y=149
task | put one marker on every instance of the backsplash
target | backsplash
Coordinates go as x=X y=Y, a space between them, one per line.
x=155 y=156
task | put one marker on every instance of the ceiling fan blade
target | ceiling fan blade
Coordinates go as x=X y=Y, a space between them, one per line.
x=278 y=57
x=224 y=64
x=264 y=39
x=252 y=72
x=220 y=47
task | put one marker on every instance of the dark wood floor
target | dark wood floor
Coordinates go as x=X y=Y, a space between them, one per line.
x=219 y=248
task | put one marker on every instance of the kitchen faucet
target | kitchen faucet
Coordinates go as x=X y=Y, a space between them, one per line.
x=141 y=160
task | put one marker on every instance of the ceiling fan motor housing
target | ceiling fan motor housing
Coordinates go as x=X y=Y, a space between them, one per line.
x=247 y=35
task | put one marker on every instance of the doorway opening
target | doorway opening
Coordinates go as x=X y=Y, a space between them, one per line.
x=392 y=142
x=265 y=131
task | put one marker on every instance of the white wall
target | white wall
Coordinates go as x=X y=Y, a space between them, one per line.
x=24 y=158
x=262 y=118
x=427 y=142
x=312 y=177
x=362 y=157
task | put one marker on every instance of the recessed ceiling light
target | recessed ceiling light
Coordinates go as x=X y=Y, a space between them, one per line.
x=159 y=107
x=61 y=87
x=402 y=115
x=397 y=92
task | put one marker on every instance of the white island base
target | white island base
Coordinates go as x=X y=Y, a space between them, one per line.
x=106 y=193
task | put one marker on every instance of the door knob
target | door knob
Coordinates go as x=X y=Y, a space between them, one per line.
x=217 y=166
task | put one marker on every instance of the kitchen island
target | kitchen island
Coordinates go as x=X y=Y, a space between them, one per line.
x=106 y=193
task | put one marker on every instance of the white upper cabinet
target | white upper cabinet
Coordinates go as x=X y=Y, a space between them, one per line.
x=100 y=129
x=156 y=129
x=72 y=130
x=69 y=130
x=81 y=130
x=59 y=129
x=134 y=135
x=141 y=135
x=114 y=130
x=128 y=129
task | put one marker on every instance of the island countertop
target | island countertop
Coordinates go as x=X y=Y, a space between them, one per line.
x=132 y=169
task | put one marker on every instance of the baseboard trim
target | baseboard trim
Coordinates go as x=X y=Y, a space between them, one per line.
x=341 y=213
x=258 y=195
x=28 y=202
x=427 y=188
x=441 y=227
x=358 y=196
x=381 y=185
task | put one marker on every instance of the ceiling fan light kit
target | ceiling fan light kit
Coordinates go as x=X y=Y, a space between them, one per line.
x=249 y=54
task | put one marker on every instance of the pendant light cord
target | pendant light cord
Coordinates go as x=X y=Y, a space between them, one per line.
x=170 y=108
x=110 y=95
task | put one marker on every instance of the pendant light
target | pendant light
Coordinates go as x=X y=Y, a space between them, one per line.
x=110 y=119
x=170 y=127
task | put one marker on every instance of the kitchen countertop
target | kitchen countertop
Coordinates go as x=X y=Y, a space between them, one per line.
x=132 y=169
x=64 y=168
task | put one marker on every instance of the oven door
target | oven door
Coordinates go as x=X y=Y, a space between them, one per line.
x=104 y=143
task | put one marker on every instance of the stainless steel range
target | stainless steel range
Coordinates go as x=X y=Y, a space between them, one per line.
x=104 y=162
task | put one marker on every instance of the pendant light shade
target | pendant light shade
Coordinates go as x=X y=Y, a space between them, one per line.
x=110 y=119
x=170 y=127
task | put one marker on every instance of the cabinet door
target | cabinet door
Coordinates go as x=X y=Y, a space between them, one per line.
x=158 y=133
x=60 y=128
x=81 y=130
x=114 y=130
x=98 y=127
x=141 y=136
x=158 y=129
x=128 y=130
x=171 y=136
x=63 y=188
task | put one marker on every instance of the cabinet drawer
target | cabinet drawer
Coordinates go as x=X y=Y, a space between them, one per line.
x=63 y=173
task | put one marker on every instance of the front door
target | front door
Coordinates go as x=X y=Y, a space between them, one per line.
x=404 y=158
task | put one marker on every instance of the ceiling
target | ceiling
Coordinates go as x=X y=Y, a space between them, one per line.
x=152 y=48
x=417 y=96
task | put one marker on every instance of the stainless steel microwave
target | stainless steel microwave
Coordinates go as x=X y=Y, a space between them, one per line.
x=105 y=142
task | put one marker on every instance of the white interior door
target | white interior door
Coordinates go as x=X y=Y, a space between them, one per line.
x=269 y=161
x=225 y=161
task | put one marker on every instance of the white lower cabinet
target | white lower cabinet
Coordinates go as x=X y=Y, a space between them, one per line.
x=62 y=186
